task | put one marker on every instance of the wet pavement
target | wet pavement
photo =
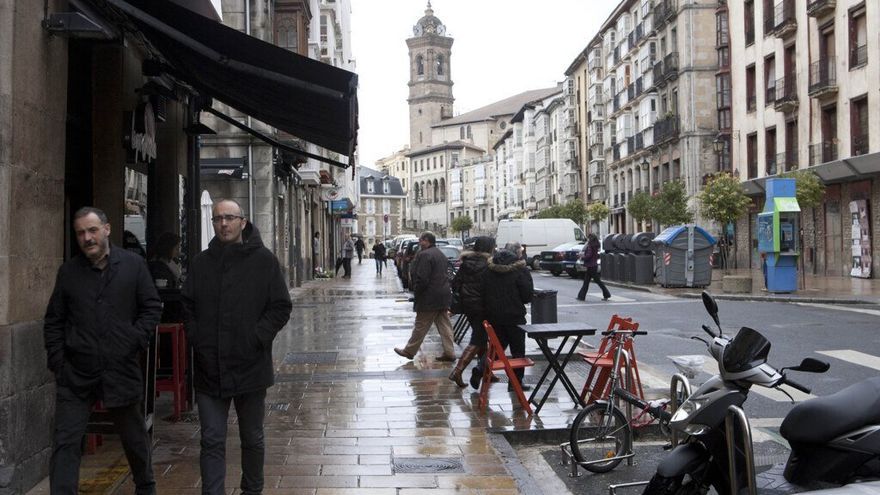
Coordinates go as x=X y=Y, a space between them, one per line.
x=349 y=416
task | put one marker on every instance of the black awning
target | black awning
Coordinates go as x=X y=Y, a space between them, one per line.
x=222 y=167
x=303 y=97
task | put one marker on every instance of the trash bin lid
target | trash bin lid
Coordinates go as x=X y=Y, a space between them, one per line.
x=543 y=292
x=671 y=233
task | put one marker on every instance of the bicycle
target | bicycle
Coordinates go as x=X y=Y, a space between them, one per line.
x=601 y=434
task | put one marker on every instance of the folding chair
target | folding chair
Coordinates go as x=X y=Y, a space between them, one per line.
x=460 y=328
x=601 y=361
x=496 y=360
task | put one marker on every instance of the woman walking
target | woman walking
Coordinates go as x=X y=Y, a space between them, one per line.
x=467 y=283
x=590 y=255
x=379 y=255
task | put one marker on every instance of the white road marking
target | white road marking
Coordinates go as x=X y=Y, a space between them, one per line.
x=711 y=367
x=854 y=357
x=872 y=312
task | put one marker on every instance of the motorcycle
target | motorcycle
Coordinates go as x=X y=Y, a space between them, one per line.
x=835 y=440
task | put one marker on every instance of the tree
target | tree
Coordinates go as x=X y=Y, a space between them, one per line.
x=577 y=211
x=723 y=200
x=554 y=211
x=640 y=206
x=598 y=211
x=670 y=205
x=462 y=224
x=809 y=188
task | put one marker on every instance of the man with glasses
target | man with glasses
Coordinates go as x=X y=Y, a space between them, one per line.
x=237 y=301
x=102 y=315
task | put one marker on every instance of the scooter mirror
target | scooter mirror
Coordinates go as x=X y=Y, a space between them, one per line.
x=811 y=365
x=711 y=308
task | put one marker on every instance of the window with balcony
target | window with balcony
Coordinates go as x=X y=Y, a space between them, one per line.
x=791 y=147
x=749 y=22
x=721 y=29
x=770 y=80
x=769 y=21
x=751 y=96
x=752 y=156
x=859 y=124
x=722 y=93
x=858 y=38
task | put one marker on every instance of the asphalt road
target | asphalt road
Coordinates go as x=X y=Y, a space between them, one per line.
x=845 y=336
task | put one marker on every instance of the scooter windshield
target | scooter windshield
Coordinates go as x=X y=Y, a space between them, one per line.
x=747 y=350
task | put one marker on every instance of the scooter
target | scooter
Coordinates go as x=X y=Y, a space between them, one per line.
x=835 y=440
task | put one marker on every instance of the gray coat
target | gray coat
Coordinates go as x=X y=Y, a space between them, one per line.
x=430 y=283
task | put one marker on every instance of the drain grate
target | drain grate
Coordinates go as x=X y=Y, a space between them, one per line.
x=427 y=465
x=310 y=357
x=278 y=406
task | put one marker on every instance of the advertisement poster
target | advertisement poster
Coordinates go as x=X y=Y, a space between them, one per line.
x=861 y=239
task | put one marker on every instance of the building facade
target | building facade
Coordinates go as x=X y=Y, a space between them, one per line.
x=649 y=72
x=380 y=216
x=801 y=98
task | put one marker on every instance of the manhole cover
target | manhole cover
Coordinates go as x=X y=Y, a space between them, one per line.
x=310 y=358
x=427 y=465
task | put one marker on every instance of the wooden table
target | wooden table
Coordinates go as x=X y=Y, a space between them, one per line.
x=542 y=333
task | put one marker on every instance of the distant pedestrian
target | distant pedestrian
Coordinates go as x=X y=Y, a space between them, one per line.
x=379 y=255
x=360 y=247
x=432 y=294
x=347 y=253
x=237 y=301
x=507 y=288
x=316 y=250
x=525 y=254
x=590 y=255
x=468 y=284
x=165 y=265
x=101 y=316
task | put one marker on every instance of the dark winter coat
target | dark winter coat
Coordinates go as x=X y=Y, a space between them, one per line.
x=237 y=301
x=429 y=281
x=97 y=323
x=507 y=288
x=360 y=246
x=590 y=255
x=468 y=281
x=379 y=251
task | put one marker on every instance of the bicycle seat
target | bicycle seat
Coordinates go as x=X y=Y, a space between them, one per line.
x=820 y=420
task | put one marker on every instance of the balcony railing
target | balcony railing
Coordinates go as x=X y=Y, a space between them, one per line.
x=631 y=92
x=658 y=73
x=818 y=8
x=860 y=144
x=769 y=22
x=670 y=66
x=639 y=86
x=823 y=152
x=630 y=145
x=770 y=93
x=786 y=93
x=858 y=56
x=615 y=154
x=666 y=128
x=823 y=77
x=616 y=106
x=770 y=164
x=659 y=15
x=786 y=22
x=639 y=141
x=787 y=161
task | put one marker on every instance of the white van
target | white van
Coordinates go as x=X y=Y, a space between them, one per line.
x=538 y=234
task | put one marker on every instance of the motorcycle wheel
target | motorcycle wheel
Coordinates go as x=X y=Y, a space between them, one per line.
x=595 y=435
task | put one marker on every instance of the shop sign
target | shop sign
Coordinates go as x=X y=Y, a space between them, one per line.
x=346 y=222
x=339 y=205
x=141 y=136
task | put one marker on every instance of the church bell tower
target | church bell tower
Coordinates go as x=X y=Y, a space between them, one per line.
x=430 y=79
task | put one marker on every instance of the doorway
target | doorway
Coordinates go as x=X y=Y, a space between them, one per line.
x=833 y=240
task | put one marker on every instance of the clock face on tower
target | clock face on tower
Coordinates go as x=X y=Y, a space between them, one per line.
x=441 y=29
x=417 y=30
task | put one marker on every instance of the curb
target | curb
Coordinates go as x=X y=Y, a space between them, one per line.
x=744 y=297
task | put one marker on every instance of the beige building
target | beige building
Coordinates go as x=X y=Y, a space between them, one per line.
x=649 y=73
x=801 y=98
x=380 y=206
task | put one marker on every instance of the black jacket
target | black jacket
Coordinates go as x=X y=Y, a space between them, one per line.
x=96 y=325
x=236 y=301
x=468 y=281
x=507 y=288
x=430 y=283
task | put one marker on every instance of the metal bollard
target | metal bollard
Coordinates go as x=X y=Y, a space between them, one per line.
x=736 y=416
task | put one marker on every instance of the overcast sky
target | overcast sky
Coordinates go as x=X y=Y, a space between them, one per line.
x=501 y=48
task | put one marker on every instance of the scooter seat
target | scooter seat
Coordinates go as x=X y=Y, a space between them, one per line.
x=820 y=420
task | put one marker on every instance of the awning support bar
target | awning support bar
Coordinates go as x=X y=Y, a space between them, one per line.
x=274 y=142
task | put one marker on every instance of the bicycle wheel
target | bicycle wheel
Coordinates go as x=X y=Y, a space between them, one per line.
x=600 y=431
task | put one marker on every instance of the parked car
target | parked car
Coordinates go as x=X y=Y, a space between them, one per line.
x=453 y=241
x=552 y=260
x=570 y=259
x=538 y=234
x=408 y=251
x=581 y=268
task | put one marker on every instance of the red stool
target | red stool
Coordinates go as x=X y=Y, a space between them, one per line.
x=95 y=440
x=176 y=382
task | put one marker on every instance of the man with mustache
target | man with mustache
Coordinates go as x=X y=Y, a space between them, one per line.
x=237 y=301
x=102 y=314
